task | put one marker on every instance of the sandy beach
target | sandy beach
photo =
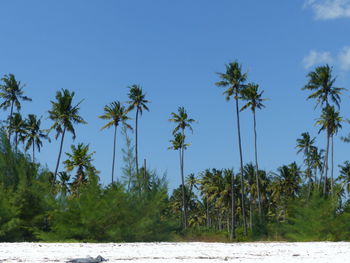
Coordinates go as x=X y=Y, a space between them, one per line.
x=178 y=252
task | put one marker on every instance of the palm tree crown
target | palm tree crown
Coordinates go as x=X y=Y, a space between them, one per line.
x=182 y=120
x=12 y=92
x=321 y=84
x=64 y=114
x=116 y=113
x=137 y=99
x=33 y=135
x=233 y=79
x=253 y=97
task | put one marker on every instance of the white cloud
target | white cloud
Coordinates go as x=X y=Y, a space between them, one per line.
x=329 y=9
x=316 y=57
x=344 y=58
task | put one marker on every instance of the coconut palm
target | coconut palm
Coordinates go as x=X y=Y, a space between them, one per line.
x=81 y=160
x=330 y=121
x=254 y=101
x=33 y=134
x=178 y=143
x=305 y=144
x=17 y=126
x=115 y=113
x=321 y=83
x=233 y=79
x=64 y=115
x=138 y=101
x=12 y=93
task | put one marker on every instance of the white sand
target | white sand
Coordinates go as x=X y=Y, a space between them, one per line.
x=178 y=252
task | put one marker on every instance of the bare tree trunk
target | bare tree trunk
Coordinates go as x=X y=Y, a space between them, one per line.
x=136 y=141
x=257 y=167
x=33 y=152
x=59 y=155
x=10 y=128
x=332 y=168
x=241 y=162
x=184 y=214
x=233 y=209
x=325 y=165
x=114 y=144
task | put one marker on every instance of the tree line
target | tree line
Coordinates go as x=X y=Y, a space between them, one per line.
x=251 y=204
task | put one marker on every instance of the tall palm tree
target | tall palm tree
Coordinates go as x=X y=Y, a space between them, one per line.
x=183 y=121
x=65 y=115
x=331 y=122
x=17 y=126
x=178 y=143
x=81 y=160
x=234 y=80
x=33 y=134
x=254 y=101
x=138 y=101
x=321 y=83
x=115 y=113
x=12 y=93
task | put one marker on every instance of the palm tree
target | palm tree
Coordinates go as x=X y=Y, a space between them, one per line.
x=17 y=126
x=178 y=143
x=65 y=115
x=331 y=122
x=64 y=179
x=305 y=144
x=183 y=122
x=115 y=113
x=321 y=83
x=12 y=92
x=81 y=160
x=138 y=101
x=234 y=80
x=254 y=101
x=33 y=134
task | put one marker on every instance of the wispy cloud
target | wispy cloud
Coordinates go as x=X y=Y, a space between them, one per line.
x=341 y=60
x=344 y=58
x=329 y=9
x=315 y=58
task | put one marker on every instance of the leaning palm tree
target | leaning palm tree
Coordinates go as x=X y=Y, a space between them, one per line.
x=12 y=92
x=254 y=101
x=233 y=79
x=321 y=83
x=65 y=115
x=330 y=121
x=138 y=101
x=115 y=113
x=178 y=144
x=33 y=134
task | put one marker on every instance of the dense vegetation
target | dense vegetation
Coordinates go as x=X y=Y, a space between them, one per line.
x=298 y=202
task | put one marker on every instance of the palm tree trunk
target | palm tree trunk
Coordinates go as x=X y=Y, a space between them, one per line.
x=332 y=163
x=114 y=144
x=11 y=112
x=33 y=152
x=233 y=209
x=325 y=165
x=256 y=166
x=16 y=141
x=136 y=141
x=59 y=156
x=184 y=215
x=241 y=162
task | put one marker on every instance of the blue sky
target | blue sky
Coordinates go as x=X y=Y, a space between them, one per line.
x=173 y=49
